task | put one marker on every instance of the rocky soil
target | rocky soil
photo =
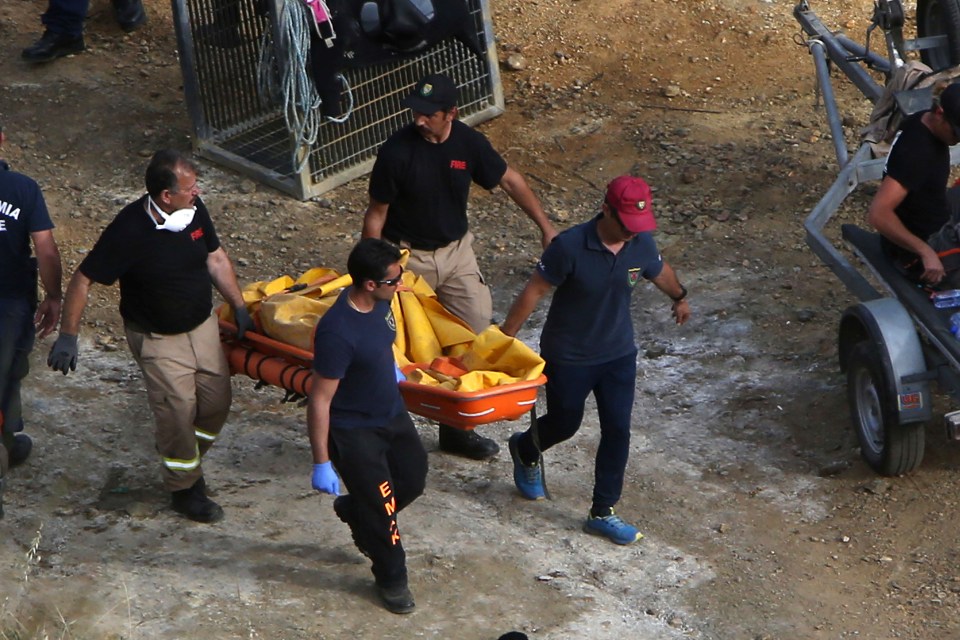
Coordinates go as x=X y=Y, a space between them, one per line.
x=761 y=521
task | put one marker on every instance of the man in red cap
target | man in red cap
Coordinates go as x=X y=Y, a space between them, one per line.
x=587 y=342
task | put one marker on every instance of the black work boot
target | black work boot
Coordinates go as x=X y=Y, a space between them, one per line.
x=468 y=444
x=51 y=46
x=20 y=449
x=397 y=599
x=195 y=504
x=129 y=14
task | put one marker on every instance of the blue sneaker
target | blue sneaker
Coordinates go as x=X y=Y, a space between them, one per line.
x=612 y=527
x=528 y=478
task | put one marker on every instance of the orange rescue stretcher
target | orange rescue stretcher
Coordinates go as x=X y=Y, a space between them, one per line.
x=434 y=388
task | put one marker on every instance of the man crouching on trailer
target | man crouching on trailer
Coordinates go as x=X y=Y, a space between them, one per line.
x=912 y=209
x=358 y=423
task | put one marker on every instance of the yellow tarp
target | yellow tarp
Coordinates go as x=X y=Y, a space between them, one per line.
x=289 y=310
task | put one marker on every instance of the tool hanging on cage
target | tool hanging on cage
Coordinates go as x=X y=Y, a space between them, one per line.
x=322 y=23
x=368 y=32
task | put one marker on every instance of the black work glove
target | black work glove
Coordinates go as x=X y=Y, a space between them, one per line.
x=63 y=354
x=243 y=321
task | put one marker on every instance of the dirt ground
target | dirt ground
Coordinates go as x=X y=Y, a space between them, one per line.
x=761 y=521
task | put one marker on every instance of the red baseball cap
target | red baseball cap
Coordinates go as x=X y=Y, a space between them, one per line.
x=630 y=197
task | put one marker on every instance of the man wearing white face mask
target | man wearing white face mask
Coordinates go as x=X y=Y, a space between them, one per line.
x=165 y=252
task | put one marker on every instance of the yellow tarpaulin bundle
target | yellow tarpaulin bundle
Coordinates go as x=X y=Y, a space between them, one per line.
x=290 y=309
x=291 y=318
x=491 y=360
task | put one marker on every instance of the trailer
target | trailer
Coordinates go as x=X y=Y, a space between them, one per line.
x=893 y=345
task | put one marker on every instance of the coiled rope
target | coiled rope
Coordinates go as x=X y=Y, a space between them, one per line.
x=301 y=102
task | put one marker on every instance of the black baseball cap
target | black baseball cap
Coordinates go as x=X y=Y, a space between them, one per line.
x=950 y=103
x=435 y=92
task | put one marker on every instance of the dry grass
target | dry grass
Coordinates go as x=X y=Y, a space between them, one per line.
x=11 y=614
x=17 y=622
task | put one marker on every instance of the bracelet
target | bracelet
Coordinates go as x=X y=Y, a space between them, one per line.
x=683 y=294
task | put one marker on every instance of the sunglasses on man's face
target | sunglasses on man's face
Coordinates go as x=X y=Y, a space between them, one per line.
x=392 y=282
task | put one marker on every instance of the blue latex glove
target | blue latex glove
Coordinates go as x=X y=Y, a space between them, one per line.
x=243 y=321
x=400 y=376
x=325 y=479
x=63 y=354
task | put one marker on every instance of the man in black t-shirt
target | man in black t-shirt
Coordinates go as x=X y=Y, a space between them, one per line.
x=418 y=199
x=23 y=219
x=912 y=203
x=166 y=254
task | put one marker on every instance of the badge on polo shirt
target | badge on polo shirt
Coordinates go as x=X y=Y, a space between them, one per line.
x=391 y=321
x=633 y=276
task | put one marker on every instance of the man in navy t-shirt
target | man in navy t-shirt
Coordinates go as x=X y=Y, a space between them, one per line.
x=23 y=219
x=358 y=423
x=587 y=342
x=419 y=189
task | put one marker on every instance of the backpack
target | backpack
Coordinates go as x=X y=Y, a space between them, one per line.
x=370 y=32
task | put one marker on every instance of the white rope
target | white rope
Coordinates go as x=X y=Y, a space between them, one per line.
x=346 y=87
x=301 y=102
x=268 y=84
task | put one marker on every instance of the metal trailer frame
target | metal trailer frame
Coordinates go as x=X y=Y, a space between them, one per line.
x=235 y=125
x=913 y=339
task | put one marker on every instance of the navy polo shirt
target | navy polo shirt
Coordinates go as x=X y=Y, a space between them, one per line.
x=589 y=318
x=22 y=212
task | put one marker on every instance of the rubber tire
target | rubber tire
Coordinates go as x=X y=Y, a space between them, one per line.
x=940 y=17
x=890 y=448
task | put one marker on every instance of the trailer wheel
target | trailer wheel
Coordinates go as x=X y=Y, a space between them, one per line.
x=940 y=18
x=890 y=448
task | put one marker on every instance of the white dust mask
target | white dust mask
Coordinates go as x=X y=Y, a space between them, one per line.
x=176 y=221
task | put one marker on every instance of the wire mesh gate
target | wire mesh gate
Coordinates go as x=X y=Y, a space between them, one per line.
x=238 y=119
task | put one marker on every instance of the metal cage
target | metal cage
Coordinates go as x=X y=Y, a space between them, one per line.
x=238 y=119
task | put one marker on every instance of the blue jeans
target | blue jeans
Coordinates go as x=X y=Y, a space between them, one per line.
x=65 y=17
x=613 y=384
x=16 y=341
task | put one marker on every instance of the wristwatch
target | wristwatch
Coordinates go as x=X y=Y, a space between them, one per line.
x=683 y=294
